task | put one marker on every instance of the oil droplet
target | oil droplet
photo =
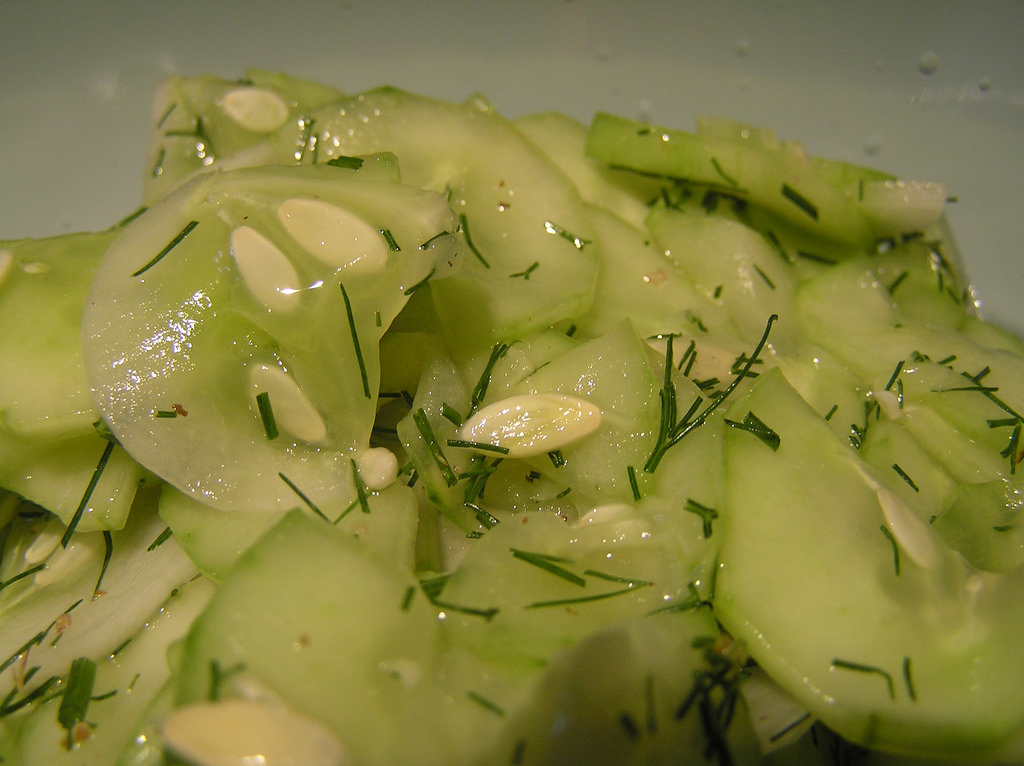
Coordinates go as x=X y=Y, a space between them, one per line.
x=928 y=63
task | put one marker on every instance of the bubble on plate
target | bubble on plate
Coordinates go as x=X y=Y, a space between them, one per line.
x=928 y=63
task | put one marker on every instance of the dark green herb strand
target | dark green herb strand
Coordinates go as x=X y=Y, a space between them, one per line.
x=84 y=502
x=355 y=341
x=549 y=564
x=344 y=161
x=580 y=600
x=21 y=575
x=862 y=668
x=427 y=432
x=162 y=538
x=77 y=694
x=464 y=226
x=302 y=496
x=108 y=552
x=687 y=426
x=167 y=248
x=800 y=201
x=895 y=548
x=361 y=497
x=266 y=410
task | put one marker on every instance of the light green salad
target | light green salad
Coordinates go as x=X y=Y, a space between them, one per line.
x=393 y=431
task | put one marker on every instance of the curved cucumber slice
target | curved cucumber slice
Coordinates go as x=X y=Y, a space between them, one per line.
x=922 y=659
x=43 y=286
x=206 y=122
x=524 y=220
x=231 y=336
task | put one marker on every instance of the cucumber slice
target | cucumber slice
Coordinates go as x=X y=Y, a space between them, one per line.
x=43 y=288
x=75 y=601
x=778 y=176
x=528 y=263
x=563 y=139
x=127 y=685
x=206 y=122
x=84 y=480
x=918 y=661
x=258 y=288
x=635 y=271
x=276 y=626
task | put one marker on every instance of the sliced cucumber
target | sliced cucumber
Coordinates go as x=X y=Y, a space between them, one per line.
x=778 y=176
x=43 y=289
x=258 y=288
x=83 y=600
x=528 y=263
x=916 y=660
x=126 y=685
x=276 y=625
x=206 y=122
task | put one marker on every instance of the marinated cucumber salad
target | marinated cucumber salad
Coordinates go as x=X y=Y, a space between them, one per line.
x=394 y=431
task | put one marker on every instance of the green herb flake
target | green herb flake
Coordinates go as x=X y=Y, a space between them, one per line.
x=485 y=703
x=185 y=231
x=908 y=680
x=478 y=446
x=355 y=341
x=633 y=485
x=22 y=575
x=302 y=496
x=390 y=239
x=800 y=201
x=580 y=600
x=553 y=228
x=707 y=514
x=549 y=564
x=418 y=286
x=267 y=415
x=84 y=502
x=162 y=538
x=344 y=161
x=754 y=425
x=464 y=228
x=74 y=705
x=725 y=176
x=361 y=496
x=895 y=549
x=427 y=432
x=862 y=668
x=108 y=552
x=219 y=675
x=525 y=273
x=903 y=475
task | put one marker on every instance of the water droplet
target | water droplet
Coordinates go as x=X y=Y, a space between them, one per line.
x=873 y=145
x=985 y=84
x=928 y=63
x=742 y=47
